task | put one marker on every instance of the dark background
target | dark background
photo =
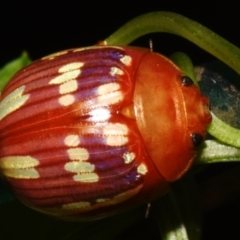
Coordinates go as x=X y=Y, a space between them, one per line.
x=42 y=28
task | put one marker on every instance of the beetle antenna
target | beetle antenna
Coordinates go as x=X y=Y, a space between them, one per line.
x=147 y=210
x=151 y=45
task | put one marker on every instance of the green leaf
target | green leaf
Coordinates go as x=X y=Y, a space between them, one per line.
x=11 y=68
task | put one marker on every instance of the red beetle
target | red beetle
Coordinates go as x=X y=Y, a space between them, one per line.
x=89 y=132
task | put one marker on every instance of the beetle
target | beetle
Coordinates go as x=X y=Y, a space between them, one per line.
x=89 y=132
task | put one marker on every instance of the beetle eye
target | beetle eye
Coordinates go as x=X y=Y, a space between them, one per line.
x=187 y=81
x=196 y=139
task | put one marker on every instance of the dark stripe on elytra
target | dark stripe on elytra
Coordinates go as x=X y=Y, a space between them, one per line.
x=49 y=68
x=49 y=195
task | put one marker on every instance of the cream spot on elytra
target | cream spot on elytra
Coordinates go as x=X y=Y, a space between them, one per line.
x=84 y=170
x=127 y=60
x=86 y=177
x=67 y=82
x=66 y=76
x=72 y=140
x=101 y=202
x=13 y=101
x=80 y=154
x=20 y=167
x=110 y=98
x=109 y=94
x=128 y=157
x=142 y=169
x=115 y=71
x=75 y=205
x=66 y=100
x=68 y=87
x=79 y=167
x=108 y=88
x=116 y=134
x=70 y=67
x=115 y=129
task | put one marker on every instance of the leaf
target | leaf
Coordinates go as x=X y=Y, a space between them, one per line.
x=12 y=67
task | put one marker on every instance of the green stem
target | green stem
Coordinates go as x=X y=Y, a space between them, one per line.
x=181 y=26
x=213 y=151
x=224 y=132
x=194 y=32
x=185 y=64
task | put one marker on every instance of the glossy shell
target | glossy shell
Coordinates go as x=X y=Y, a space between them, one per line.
x=86 y=133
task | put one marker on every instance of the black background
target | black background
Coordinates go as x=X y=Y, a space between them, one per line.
x=42 y=28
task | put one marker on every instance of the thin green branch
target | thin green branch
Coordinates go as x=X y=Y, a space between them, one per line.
x=213 y=151
x=194 y=32
x=183 y=61
x=177 y=24
x=224 y=132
